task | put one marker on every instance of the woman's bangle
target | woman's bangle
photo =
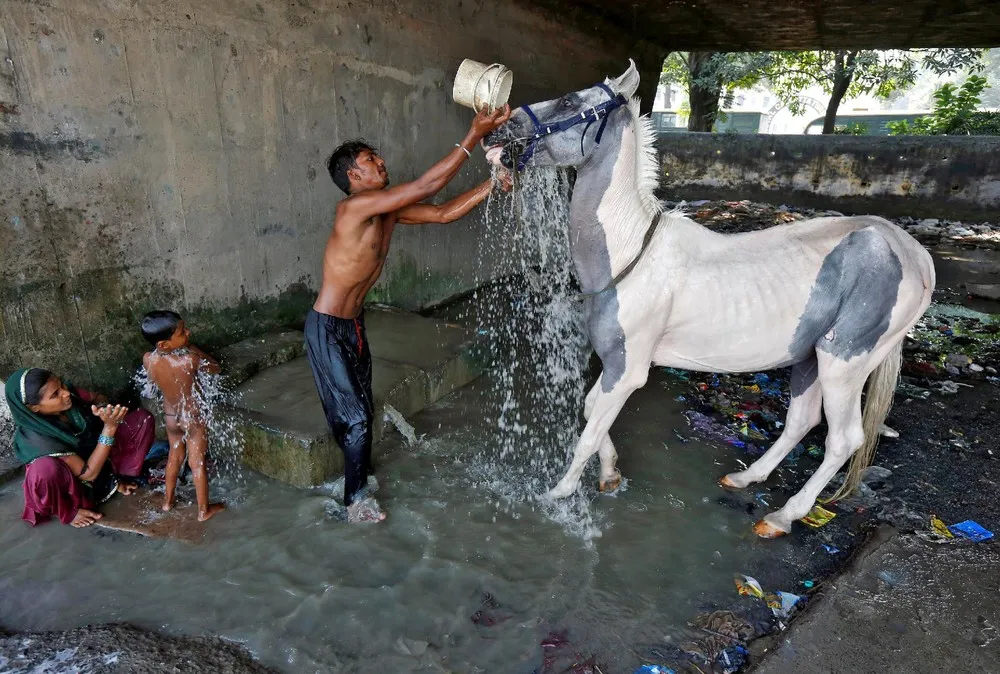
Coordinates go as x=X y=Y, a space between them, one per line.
x=107 y=440
x=462 y=147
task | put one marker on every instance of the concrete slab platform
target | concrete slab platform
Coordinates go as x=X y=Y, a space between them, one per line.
x=140 y=514
x=245 y=359
x=416 y=361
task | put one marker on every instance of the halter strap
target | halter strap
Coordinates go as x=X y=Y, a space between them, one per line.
x=601 y=112
x=631 y=265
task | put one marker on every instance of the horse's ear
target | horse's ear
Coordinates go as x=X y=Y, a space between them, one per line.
x=627 y=83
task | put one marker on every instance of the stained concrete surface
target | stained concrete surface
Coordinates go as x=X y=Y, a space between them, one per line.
x=904 y=606
x=760 y=25
x=949 y=177
x=415 y=361
x=172 y=155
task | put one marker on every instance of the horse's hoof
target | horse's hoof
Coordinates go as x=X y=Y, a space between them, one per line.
x=726 y=483
x=608 y=486
x=556 y=493
x=765 y=529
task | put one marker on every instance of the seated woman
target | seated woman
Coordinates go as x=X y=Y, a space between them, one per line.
x=75 y=446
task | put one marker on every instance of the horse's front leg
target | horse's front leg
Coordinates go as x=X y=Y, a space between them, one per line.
x=611 y=478
x=603 y=412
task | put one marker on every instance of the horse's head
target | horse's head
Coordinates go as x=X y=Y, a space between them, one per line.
x=564 y=131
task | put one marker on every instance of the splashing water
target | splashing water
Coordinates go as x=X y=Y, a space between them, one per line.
x=217 y=404
x=537 y=350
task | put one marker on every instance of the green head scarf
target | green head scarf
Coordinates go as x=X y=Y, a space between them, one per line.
x=37 y=435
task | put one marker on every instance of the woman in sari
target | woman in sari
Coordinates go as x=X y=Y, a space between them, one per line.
x=76 y=447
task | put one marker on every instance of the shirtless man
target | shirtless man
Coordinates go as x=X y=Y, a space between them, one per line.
x=173 y=366
x=336 y=343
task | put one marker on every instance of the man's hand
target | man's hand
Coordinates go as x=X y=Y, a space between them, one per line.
x=505 y=180
x=486 y=123
x=366 y=204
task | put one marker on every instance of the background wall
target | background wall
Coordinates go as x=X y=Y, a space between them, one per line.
x=171 y=154
x=950 y=177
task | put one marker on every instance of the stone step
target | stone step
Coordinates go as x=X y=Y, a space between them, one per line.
x=416 y=361
x=244 y=359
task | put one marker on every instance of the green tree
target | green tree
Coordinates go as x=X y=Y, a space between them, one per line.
x=845 y=74
x=708 y=77
x=956 y=112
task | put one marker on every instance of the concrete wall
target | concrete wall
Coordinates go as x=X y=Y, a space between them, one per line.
x=172 y=154
x=952 y=177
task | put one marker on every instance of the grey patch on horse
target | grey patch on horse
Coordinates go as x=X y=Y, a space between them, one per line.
x=607 y=337
x=588 y=240
x=804 y=375
x=851 y=301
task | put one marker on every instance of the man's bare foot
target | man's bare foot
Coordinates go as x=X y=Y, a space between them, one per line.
x=365 y=510
x=84 y=518
x=168 y=505
x=126 y=488
x=213 y=510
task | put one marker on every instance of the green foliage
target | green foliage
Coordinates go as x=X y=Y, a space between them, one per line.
x=984 y=123
x=849 y=74
x=955 y=113
x=726 y=71
x=852 y=129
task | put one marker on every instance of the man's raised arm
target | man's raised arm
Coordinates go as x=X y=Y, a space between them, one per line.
x=367 y=204
x=421 y=214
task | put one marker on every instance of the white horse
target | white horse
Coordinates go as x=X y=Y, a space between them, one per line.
x=831 y=297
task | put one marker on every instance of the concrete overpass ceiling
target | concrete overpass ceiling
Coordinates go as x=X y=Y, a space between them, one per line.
x=768 y=25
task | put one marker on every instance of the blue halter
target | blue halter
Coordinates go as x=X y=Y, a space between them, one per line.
x=598 y=112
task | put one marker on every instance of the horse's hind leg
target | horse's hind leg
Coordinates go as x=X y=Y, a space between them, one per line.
x=804 y=412
x=841 y=384
x=610 y=477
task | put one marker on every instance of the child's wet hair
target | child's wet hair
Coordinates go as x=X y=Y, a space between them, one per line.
x=159 y=325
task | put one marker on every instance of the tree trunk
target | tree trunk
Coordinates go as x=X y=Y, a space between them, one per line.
x=843 y=74
x=703 y=97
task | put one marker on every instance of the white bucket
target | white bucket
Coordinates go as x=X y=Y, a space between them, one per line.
x=480 y=86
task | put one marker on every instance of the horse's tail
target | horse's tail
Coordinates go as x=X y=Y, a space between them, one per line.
x=881 y=391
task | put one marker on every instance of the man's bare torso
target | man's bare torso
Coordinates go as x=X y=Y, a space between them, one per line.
x=352 y=263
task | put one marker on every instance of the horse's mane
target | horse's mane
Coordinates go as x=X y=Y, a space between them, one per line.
x=647 y=161
x=631 y=199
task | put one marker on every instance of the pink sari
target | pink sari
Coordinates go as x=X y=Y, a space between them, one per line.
x=50 y=490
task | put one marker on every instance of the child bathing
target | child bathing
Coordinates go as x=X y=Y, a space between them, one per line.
x=173 y=366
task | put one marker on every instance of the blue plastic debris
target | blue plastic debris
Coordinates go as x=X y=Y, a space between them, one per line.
x=653 y=669
x=830 y=548
x=732 y=658
x=808 y=583
x=971 y=530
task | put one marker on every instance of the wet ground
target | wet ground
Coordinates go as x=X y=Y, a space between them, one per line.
x=464 y=575
x=470 y=575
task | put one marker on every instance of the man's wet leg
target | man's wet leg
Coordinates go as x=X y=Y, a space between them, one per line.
x=356 y=444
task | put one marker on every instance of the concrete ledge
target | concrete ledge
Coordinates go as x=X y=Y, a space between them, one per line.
x=244 y=359
x=416 y=361
x=950 y=177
